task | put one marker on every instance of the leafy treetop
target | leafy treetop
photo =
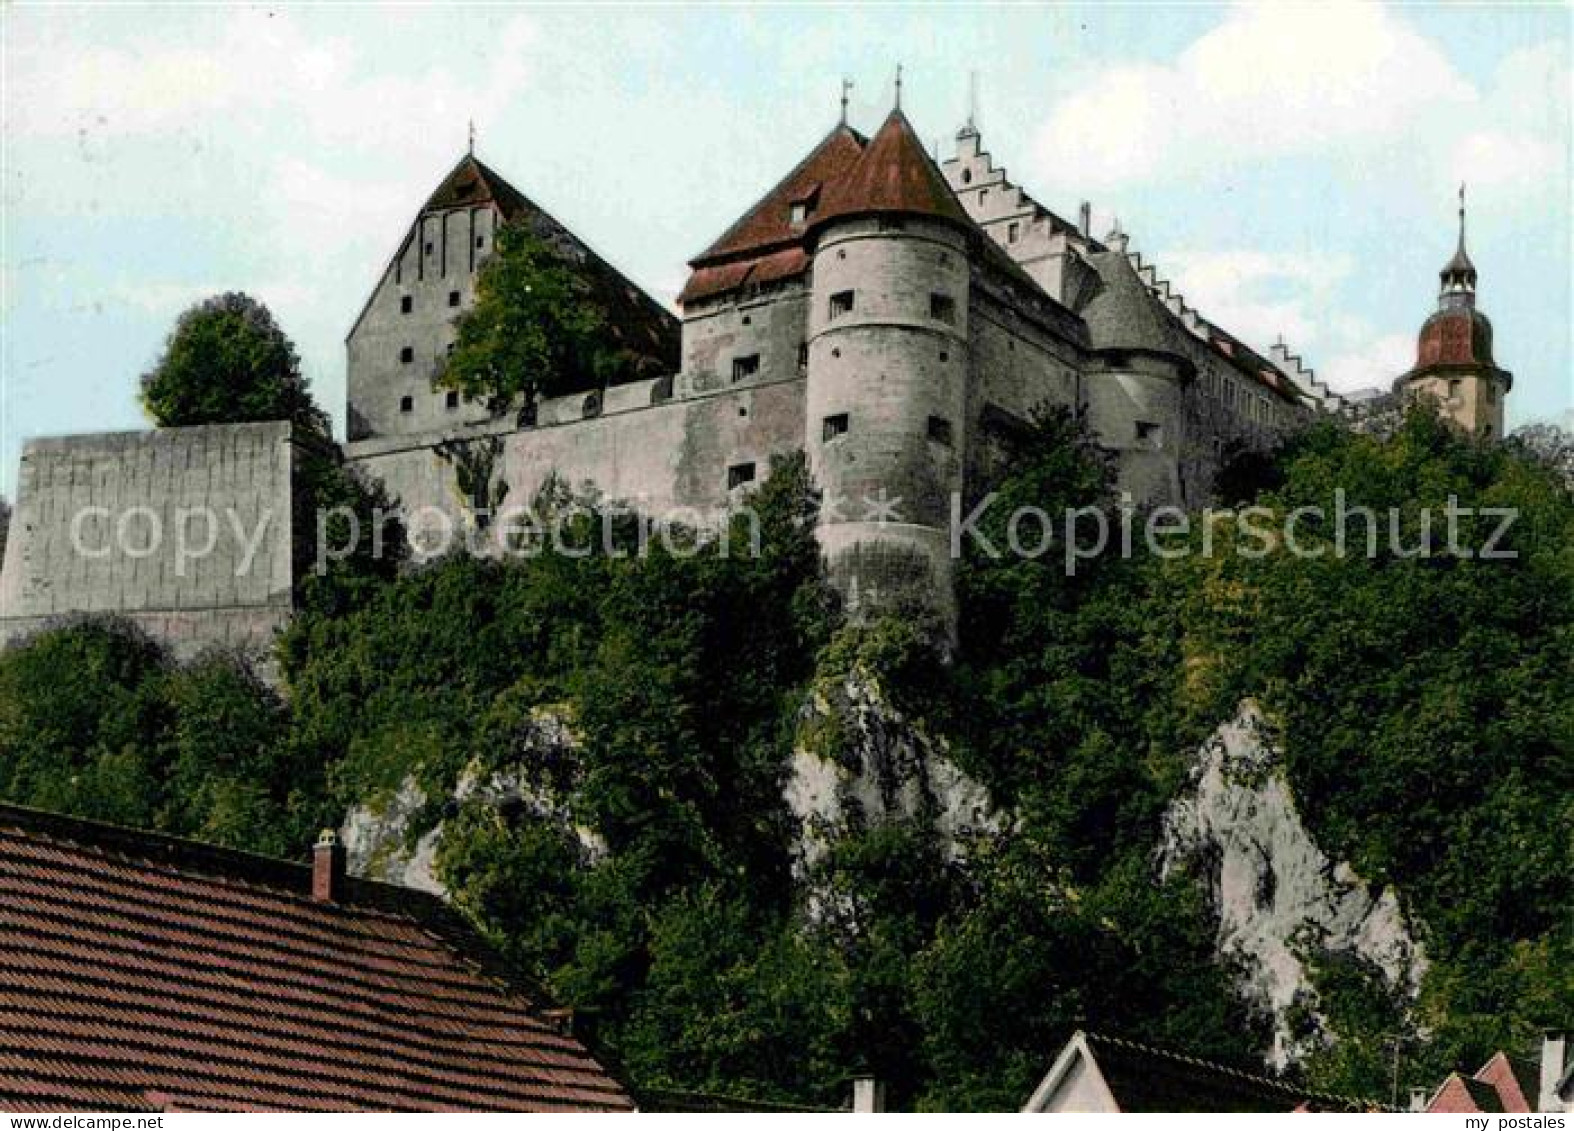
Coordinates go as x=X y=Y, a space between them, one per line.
x=228 y=362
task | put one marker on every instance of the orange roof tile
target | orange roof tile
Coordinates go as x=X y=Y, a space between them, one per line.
x=140 y=972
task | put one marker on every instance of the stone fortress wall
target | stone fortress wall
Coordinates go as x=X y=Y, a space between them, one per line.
x=186 y=531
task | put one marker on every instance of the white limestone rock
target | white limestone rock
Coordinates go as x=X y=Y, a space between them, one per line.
x=880 y=768
x=1237 y=828
x=376 y=835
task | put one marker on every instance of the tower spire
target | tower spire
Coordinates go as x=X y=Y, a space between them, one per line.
x=1459 y=274
x=899 y=86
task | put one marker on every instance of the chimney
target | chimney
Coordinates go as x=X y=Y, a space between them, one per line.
x=868 y=1095
x=1085 y=219
x=328 y=868
x=1417 y=1099
x=1554 y=1046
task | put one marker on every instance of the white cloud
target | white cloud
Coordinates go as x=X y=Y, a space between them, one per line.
x=1270 y=79
x=1259 y=295
x=1372 y=365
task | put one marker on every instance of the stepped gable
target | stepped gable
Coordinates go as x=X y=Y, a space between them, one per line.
x=144 y=973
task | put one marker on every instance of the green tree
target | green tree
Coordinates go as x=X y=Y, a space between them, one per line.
x=533 y=331
x=228 y=362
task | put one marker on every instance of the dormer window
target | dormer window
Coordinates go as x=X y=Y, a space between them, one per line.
x=799 y=212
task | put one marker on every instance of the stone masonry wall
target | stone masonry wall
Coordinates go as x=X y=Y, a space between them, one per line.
x=187 y=531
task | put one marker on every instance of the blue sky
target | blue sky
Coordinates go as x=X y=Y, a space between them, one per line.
x=1291 y=168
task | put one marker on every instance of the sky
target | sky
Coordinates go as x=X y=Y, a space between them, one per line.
x=1292 y=169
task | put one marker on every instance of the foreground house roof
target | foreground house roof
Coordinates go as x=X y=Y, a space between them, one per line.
x=1503 y=1085
x=1095 y=1073
x=140 y=972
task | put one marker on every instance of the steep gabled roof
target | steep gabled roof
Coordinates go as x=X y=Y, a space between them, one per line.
x=894 y=174
x=768 y=224
x=472 y=182
x=141 y=972
x=634 y=321
x=1140 y=1078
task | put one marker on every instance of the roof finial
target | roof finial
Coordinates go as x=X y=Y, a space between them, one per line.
x=1461 y=215
x=472 y=137
x=899 y=86
x=847 y=86
x=972 y=100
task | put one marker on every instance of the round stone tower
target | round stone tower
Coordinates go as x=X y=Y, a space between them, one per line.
x=1454 y=365
x=888 y=365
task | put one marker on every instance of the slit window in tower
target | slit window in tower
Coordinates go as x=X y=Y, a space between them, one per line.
x=407 y=355
x=453 y=298
x=406 y=404
x=1012 y=231
x=841 y=304
x=835 y=426
x=803 y=356
x=451 y=400
x=940 y=430
x=942 y=308
x=739 y=474
x=746 y=366
x=406 y=304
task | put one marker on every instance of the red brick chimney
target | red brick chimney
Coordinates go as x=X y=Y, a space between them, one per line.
x=328 y=868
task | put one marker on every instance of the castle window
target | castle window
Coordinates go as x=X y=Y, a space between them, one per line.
x=799 y=213
x=967 y=176
x=983 y=195
x=748 y=320
x=428 y=247
x=406 y=404
x=1150 y=434
x=451 y=400
x=480 y=241
x=834 y=426
x=1453 y=389
x=591 y=406
x=1011 y=232
x=453 y=298
x=739 y=474
x=407 y=355
x=942 y=308
x=841 y=303
x=803 y=356
x=745 y=366
x=940 y=430
x=1491 y=392
x=406 y=304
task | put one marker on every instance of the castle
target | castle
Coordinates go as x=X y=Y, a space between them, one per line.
x=897 y=319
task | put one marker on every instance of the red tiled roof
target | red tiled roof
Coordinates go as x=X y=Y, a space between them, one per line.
x=140 y=972
x=1501 y=1085
x=894 y=174
x=1457 y=336
x=768 y=224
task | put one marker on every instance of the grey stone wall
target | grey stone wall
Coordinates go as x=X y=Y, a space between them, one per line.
x=434 y=270
x=655 y=457
x=187 y=531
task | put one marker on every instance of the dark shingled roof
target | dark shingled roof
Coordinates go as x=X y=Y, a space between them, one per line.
x=143 y=973
x=1125 y=313
x=768 y=225
x=634 y=321
x=1143 y=1078
x=894 y=174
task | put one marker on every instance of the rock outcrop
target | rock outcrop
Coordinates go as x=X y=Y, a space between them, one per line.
x=1279 y=898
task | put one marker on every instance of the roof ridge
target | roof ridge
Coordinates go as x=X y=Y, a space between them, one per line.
x=1229 y=1070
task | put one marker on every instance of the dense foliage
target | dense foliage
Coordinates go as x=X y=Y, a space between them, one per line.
x=534 y=330
x=227 y=362
x=606 y=740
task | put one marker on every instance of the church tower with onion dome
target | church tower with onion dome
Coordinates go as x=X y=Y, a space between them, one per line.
x=1454 y=365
